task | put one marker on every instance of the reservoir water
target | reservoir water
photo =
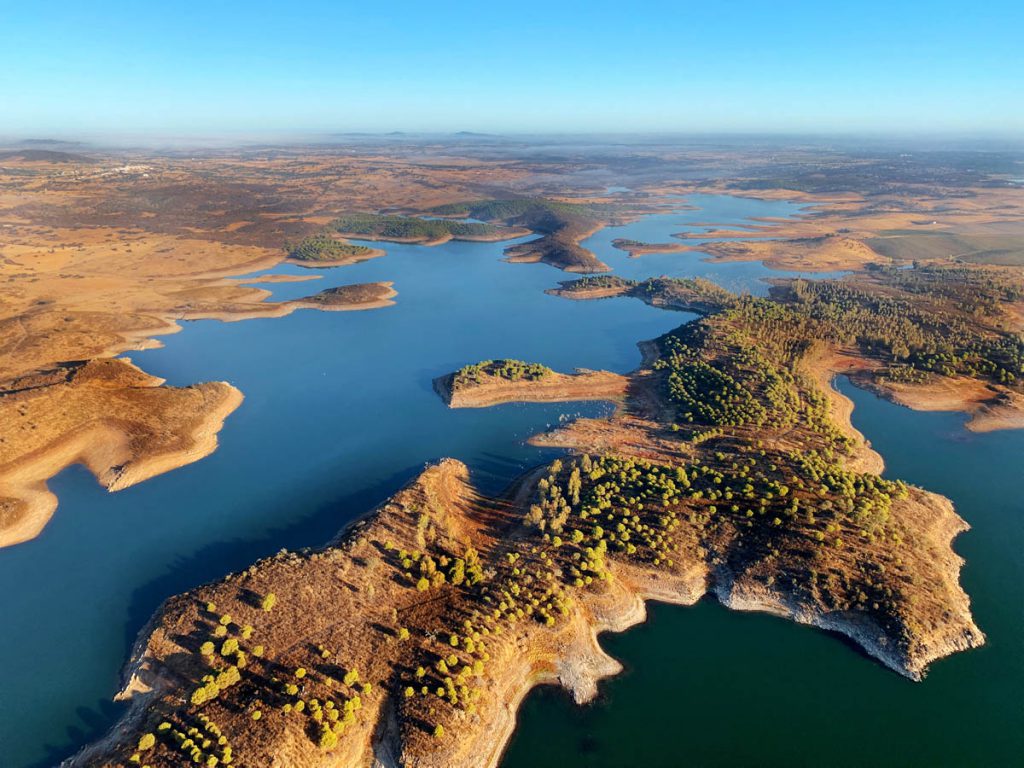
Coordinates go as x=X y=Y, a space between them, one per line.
x=705 y=686
x=339 y=413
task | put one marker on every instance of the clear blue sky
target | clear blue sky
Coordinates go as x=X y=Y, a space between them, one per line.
x=188 y=68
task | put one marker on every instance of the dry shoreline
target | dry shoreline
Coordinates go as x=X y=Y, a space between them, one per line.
x=572 y=658
x=988 y=408
x=117 y=452
x=373 y=253
x=552 y=388
x=560 y=249
x=121 y=451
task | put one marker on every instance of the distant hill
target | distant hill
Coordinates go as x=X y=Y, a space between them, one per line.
x=51 y=142
x=45 y=156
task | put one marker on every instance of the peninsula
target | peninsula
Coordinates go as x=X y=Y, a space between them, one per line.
x=730 y=468
x=493 y=382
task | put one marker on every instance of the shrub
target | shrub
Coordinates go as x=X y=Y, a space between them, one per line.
x=229 y=647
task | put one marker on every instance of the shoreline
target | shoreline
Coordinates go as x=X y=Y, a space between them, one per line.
x=103 y=445
x=573 y=658
x=441 y=505
x=105 y=450
x=561 y=249
x=987 y=407
x=554 y=387
x=374 y=253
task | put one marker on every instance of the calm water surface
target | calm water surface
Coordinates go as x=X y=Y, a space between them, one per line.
x=705 y=686
x=339 y=412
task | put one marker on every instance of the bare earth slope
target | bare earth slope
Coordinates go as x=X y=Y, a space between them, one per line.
x=552 y=388
x=108 y=415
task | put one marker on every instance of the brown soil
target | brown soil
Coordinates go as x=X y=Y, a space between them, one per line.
x=373 y=253
x=989 y=406
x=108 y=415
x=552 y=388
x=504 y=233
x=560 y=249
x=810 y=254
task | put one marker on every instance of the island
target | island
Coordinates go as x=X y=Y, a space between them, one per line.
x=346 y=298
x=322 y=250
x=492 y=382
x=729 y=468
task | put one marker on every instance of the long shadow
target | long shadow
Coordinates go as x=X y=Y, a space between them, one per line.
x=493 y=471
x=211 y=563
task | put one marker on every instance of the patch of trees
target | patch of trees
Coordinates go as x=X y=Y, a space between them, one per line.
x=388 y=227
x=718 y=375
x=932 y=333
x=596 y=282
x=527 y=208
x=324 y=247
x=510 y=370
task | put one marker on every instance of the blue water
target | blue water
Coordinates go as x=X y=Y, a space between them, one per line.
x=709 y=687
x=339 y=413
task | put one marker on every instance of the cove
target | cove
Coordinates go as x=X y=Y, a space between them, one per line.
x=710 y=687
x=339 y=413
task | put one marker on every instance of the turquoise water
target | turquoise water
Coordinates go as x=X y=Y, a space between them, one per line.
x=705 y=686
x=339 y=413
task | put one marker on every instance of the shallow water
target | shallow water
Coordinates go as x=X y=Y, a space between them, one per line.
x=339 y=413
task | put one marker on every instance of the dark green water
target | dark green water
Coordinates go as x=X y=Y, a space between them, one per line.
x=339 y=413
x=705 y=686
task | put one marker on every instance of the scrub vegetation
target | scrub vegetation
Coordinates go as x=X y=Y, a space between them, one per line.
x=510 y=370
x=324 y=247
x=410 y=228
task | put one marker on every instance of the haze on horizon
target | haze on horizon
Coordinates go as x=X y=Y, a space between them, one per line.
x=259 y=68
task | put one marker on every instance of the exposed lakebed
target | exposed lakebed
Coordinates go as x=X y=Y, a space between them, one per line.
x=339 y=412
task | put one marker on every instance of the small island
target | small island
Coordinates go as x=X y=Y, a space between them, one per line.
x=593 y=287
x=348 y=297
x=492 y=382
x=325 y=250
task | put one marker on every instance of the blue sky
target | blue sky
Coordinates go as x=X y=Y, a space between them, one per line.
x=189 y=68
